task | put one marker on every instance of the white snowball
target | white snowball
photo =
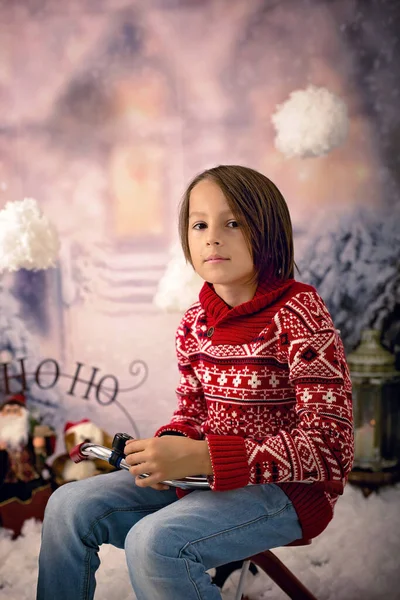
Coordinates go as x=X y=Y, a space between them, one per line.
x=310 y=123
x=27 y=239
x=180 y=285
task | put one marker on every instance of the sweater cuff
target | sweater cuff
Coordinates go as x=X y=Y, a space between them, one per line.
x=179 y=428
x=229 y=462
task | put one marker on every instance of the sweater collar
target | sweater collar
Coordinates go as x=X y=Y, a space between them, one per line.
x=268 y=290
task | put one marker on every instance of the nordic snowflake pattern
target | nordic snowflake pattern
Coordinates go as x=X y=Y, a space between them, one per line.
x=289 y=397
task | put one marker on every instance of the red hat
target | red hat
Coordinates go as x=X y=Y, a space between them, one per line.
x=14 y=399
x=71 y=424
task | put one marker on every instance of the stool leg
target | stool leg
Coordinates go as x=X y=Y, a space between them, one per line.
x=284 y=578
x=244 y=571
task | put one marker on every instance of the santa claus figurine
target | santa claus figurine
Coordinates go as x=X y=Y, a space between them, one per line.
x=20 y=466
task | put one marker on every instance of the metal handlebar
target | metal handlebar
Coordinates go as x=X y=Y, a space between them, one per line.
x=116 y=457
x=86 y=450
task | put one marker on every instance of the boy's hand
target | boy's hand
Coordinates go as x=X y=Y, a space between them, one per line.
x=167 y=457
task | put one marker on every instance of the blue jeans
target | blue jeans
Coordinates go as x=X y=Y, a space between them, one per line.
x=169 y=544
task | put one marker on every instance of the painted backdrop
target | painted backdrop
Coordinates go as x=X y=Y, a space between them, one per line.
x=109 y=107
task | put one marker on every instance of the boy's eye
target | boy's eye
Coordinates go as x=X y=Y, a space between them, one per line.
x=199 y=226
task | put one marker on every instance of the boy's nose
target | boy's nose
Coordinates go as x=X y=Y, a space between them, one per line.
x=214 y=236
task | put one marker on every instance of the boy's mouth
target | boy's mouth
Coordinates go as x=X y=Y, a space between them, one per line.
x=215 y=258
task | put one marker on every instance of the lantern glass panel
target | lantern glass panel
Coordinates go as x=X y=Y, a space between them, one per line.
x=390 y=445
x=376 y=425
x=367 y=430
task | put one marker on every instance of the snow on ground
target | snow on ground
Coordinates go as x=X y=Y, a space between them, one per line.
x=357 y=557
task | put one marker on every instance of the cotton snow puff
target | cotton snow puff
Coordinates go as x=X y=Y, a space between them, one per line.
x=310 y=123
x=180 y=285
x=27 y=239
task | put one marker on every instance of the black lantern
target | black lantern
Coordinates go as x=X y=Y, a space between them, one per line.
x=376 y=405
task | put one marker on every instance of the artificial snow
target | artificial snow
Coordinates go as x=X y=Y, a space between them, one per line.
x=358 y=556
x=180 y=285
x=27 y=238
x=312 y=122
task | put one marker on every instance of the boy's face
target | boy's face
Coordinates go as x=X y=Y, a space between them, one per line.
x=214 y=232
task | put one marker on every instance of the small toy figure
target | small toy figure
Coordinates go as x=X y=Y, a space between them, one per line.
x=24 y=480
x=64 y=469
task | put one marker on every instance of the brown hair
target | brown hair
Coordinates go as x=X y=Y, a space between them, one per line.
x=262 y=210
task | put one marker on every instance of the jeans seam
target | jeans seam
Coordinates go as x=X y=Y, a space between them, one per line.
x=187 y=565
x=149 y=509
x=232 y=529
x=85 y=590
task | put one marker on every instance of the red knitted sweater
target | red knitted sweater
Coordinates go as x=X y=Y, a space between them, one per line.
x=267 y=385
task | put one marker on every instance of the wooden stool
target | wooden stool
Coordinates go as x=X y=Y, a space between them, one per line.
x=278 y=572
